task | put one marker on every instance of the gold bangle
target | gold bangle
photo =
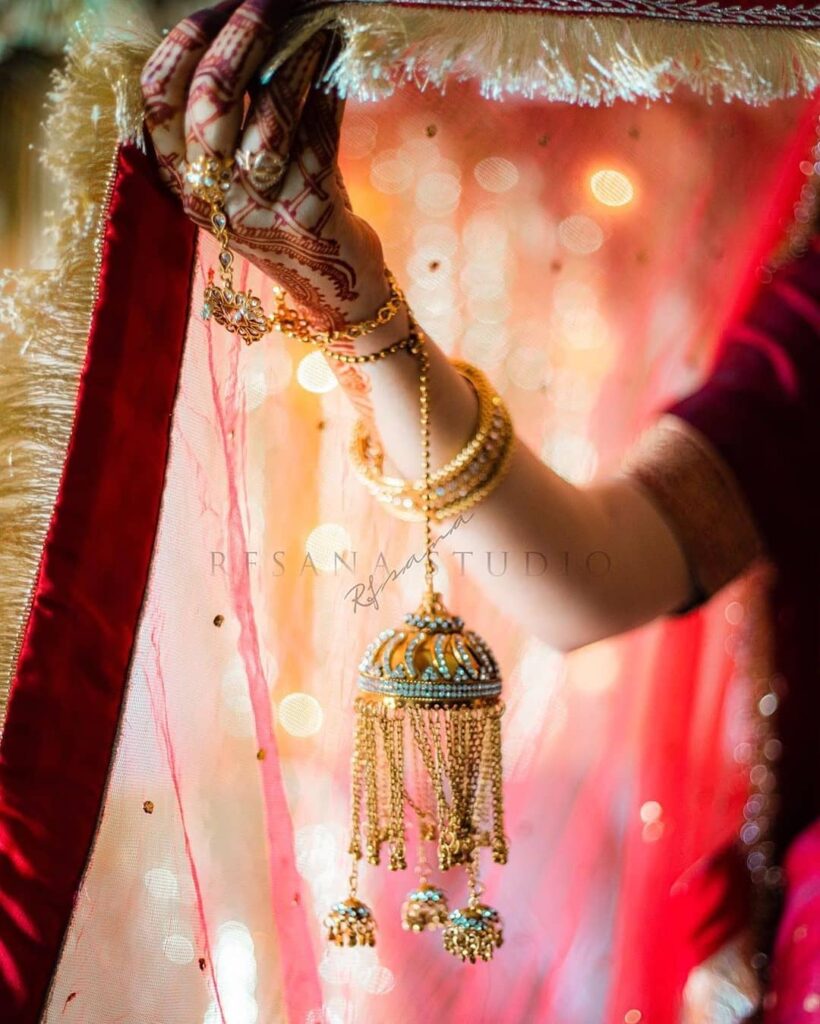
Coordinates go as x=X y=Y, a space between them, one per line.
x=492 y=418
x=414 y=512
x=464 y=481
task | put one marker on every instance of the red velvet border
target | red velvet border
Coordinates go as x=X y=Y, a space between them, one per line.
x=67 y=692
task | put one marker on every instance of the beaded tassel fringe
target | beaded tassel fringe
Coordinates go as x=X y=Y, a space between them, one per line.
x=460 y=748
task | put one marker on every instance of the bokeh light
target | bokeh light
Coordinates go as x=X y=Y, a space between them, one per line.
x=161 y=883
x=612 y=188
x=485 y=234
x=651 y=810
x=438 y=193
x=496 y=174
x=390 y=174
x=178 y=949
x=327 y=545
x=315 y=375
x=485 y=345
x=236 y=975
x=580 y=234
x=489 y=309
x=528 y=367
x=300 y=714
x=442 y=237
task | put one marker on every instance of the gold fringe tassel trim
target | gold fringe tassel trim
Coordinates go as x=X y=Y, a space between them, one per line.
x=589 y=61
x=45 y=313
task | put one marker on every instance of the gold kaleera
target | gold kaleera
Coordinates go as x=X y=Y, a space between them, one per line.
x=427 y=744
x=45 y=314
x=428 y=716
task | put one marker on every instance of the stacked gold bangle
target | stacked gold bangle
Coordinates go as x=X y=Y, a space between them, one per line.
x=463 y=482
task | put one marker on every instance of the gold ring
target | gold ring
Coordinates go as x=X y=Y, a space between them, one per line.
x=264 y=169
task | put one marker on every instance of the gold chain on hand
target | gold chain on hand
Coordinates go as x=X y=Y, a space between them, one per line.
x=241 y=312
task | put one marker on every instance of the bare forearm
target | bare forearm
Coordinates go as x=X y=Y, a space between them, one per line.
x=570 y=564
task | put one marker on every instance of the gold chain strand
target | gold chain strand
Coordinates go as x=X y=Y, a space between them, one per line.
x=473 y=882
x=357 y=768
x=394 y=751
x=373 y=831
x=409 y=342
x=419 y=727
x=399 y=841
x=429 y=600
x=499 y=839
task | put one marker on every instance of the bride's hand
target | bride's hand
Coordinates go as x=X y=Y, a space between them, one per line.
x=287 y=208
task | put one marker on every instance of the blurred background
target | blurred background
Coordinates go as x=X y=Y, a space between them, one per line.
x=586 y=259
x=32 y=36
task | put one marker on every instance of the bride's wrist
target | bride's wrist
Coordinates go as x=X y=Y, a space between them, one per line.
x=373 y=291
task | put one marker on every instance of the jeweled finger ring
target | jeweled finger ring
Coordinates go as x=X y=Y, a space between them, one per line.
x=263 y=169
x=210 y=177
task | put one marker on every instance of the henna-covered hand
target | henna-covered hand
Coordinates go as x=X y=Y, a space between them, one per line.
x=295 y=224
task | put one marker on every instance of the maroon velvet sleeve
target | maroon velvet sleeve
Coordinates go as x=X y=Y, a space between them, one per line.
x=760 y=408
x=67 y=692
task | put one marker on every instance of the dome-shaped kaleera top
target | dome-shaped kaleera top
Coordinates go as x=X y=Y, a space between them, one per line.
x=432 y=657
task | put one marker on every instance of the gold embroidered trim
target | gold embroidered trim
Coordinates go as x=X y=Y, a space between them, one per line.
x=697 y=492
x=669 y=10
x=45 y=314
x=583 y=60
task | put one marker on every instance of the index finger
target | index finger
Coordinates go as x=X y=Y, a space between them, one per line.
x=214 y=111
x=165 y=79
